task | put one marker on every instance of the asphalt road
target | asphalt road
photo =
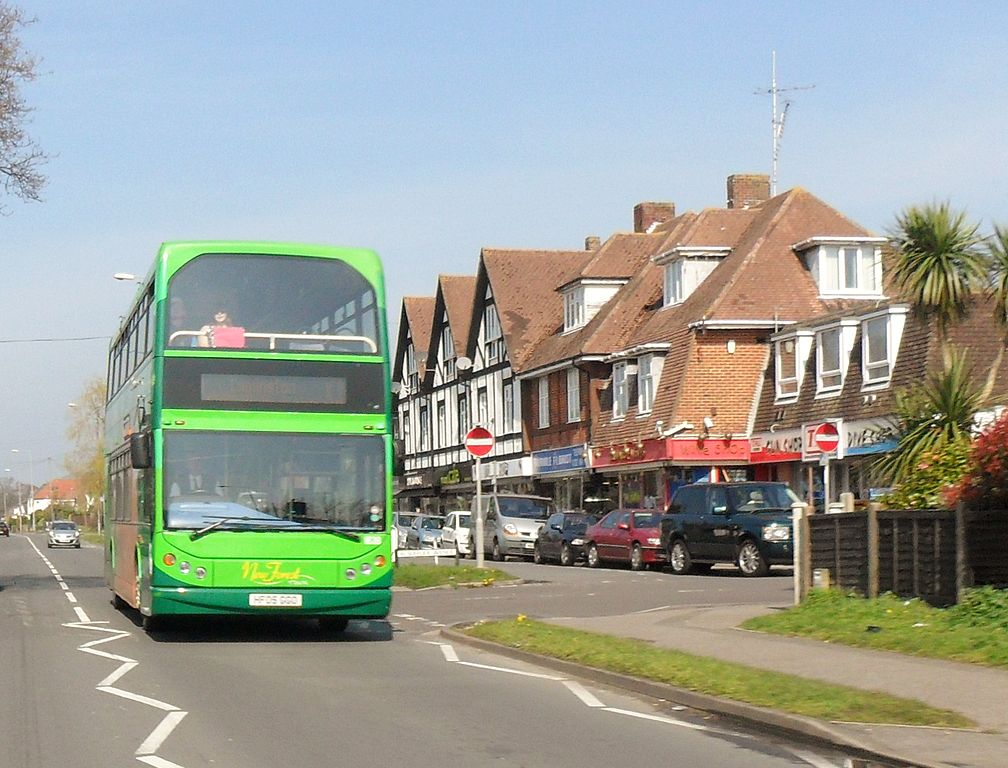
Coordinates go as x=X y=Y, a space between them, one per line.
x=82 y=685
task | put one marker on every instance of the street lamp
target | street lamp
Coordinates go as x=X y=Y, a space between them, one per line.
x=31 y=483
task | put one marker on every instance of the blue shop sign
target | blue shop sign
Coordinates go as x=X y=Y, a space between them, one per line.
x=568 y=459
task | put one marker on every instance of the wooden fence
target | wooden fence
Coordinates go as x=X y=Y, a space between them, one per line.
x=931 y=554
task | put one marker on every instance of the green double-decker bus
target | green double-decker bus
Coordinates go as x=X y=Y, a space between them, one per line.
x=248 y=435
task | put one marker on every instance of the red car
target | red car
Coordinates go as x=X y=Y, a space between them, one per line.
x=626 y=536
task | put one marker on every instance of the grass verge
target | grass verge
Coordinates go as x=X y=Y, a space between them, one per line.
x=787 y=693
x=416 y=576
x=972 y=632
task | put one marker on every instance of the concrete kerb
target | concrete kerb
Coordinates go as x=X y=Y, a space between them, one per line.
x=786 y=724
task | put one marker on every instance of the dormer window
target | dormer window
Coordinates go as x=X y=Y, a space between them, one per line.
x=574 y=309
x=833 y=349
x=620 y=390
x=844 y=266
x=686 y=267
x=880 y=340
x=790 y=354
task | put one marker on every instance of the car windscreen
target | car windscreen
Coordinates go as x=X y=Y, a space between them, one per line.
x=463 y=521
x=523 y=506
x=432 y=523
x=64 y=527
x=757 y=497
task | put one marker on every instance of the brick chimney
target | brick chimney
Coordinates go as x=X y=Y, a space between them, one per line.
x=593 y=243
x=746 y=189
x=647 y=214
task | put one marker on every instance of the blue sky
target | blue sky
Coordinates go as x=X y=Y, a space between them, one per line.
x=428 y=130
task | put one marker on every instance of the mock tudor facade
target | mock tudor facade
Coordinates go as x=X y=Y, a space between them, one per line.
x=699 y=346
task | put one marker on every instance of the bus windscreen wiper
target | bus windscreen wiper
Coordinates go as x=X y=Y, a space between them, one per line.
x=213 y=526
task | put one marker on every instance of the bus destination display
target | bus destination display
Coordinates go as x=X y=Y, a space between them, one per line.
x=251 y=388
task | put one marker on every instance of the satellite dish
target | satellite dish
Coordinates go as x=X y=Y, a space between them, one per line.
x=396 y=387
x=463 y=363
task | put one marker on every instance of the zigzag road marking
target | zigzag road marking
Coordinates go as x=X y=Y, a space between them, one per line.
x=145 y=752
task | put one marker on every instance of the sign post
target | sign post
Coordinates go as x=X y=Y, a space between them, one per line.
x=479 y=442
x=826 y=438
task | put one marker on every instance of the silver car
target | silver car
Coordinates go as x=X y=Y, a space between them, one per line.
x=511 y=524
x=64 y=533
x=425 y=533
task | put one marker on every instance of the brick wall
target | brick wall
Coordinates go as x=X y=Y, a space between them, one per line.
x=559 y=433
x=646 y=214
x=745 y=189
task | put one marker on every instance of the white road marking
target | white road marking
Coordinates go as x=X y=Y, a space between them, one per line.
x=449 y=653
x=814 y=760
x=510 y=671
x=587 y=698
x=657 y=718
x=153 y=742
x=138 y=698
x=71 y=597
x=81 y=616
x=123 y=669
x=158 y=762
x=652 y=610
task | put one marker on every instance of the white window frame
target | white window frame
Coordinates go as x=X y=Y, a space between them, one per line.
x=574 y=309
x=509 y=409
x=483 y=405
x=442 y=424
x=821 y=370
x=425 y=435
x=573 y=395
x=831 y=268
x=645 y=383
x=781 y=379
x=448 y=351
x=412 y=375
x=673 y=288
x=492 y=334
x=620 y=390
x=869 y=367
x=544 y=405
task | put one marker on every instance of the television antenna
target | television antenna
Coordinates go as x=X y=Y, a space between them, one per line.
x=777 y=118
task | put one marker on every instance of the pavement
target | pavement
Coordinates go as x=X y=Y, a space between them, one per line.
x=979 y=693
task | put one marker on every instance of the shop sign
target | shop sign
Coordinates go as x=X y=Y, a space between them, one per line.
x=708 y=450
x=569 y=459
x=866 y=437
x=629 y=452
x=779 y=445
x=520 y=467
x=455 y=476
x=419 y=479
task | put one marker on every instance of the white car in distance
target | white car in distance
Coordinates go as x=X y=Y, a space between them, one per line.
x=455 y=532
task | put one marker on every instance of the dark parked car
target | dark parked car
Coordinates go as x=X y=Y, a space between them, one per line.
x=562 y=537
x=4 y=528
x=748 y=524
x=630 y=536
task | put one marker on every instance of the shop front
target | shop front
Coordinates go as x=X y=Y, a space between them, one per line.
x=562 y=473
x=416 y=492
x=508 y=475
x=455 y=486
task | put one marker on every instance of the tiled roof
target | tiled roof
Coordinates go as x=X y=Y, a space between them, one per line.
x=62 y=489
x=458 y=292
x=420 y=315
x=524 y=284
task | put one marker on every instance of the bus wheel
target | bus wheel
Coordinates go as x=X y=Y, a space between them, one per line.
x=333 y=624
x=152 y=623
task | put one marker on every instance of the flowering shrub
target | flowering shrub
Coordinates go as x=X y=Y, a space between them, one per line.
x=935 y=481
x=986 y=483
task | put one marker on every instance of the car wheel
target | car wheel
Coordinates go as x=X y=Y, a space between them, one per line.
x=77 y=545
x=750 y=561
x=497 y=555
x=537 y=554
x=636 y=558
x=679 y=558
x=593 y=558
x=566 y=556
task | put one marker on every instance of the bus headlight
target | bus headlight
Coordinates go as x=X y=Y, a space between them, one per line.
x=351 y=574
x=184 y=567
x=365 y=569
x=200 y=572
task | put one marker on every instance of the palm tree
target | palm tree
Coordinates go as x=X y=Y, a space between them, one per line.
x=932 y=416
x=939 y=262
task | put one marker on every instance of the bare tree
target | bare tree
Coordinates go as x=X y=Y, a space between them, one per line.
x=20 y=157
x=87 y=433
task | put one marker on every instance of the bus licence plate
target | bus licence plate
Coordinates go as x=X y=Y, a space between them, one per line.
x=275 y=601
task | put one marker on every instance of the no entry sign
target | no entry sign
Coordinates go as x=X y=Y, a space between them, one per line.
x=826 y=437
x=479 y=441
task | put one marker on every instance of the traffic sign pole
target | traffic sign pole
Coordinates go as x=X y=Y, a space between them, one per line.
x=479 y=514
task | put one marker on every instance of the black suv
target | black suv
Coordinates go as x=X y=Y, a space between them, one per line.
x=748 y=524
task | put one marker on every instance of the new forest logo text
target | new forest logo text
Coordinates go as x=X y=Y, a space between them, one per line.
x=272 y=573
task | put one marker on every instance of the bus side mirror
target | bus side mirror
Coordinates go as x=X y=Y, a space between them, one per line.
x=140 y=454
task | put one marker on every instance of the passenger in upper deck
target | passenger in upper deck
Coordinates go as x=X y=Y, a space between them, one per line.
x=221 y=332
x=178 y=320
